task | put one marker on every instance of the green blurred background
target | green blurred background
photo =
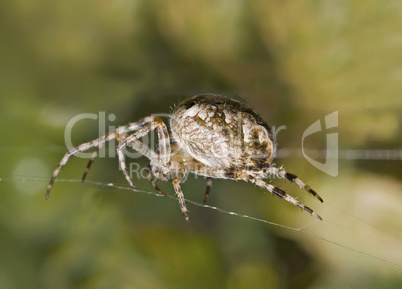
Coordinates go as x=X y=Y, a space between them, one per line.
x=293 y=61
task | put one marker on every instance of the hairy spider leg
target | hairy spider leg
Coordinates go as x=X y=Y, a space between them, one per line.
x=208 y=190
x=180 y=197
x=74 y=151
x=282 y=194
x=153 y=183
x=149 y=123
x=136 y=145
x=117 y=134
x=94 y=155
x=293 y=178
x=235 y=175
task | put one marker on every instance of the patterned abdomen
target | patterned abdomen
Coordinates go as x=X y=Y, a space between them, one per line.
x=222 y=133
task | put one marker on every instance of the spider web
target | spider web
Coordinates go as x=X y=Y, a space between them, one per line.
x=301 y=230
x=315 y=229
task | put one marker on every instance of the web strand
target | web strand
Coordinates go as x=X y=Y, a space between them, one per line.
x=232 y=213
x=343 y=154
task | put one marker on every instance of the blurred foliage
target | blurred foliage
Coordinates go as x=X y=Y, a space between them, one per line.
x=294 y=61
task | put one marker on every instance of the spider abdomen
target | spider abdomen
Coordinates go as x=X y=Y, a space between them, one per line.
x=222 y=133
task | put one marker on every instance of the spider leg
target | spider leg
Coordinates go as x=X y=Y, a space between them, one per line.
x=293 y=178
x=83 y=147
x=120 y=131
x=147 y=124
x=139 y=146
x=152 y=181
x=122 y=161
x=207 y=191
x=238 y=175
x=94 y=155
x=180 y=197
x=282 y=194
x=143 y=149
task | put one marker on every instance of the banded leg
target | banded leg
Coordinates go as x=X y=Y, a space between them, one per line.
x=135 y=144
x=152 y=181
x=83 y=147
x=293 y=178
x=148 y=124
x=120 y=131
x=235 y=175
x=282 y=194
x=94 y=155
x=207 y=191
x=180 y=197
x=245 y=176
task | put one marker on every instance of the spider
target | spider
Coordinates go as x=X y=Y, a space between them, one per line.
x=212 y=136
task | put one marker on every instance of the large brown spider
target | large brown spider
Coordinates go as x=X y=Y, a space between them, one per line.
x=212 y=136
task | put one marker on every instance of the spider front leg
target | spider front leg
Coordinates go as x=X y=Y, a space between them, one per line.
x=293 y=178
x=238 y=175
x=282 y=194
x=136 y=145
x=210 y=172
x=83 y=147
x=147 y=124
x=97 y=143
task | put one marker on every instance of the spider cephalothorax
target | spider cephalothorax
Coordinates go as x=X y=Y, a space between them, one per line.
x=213 y=136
